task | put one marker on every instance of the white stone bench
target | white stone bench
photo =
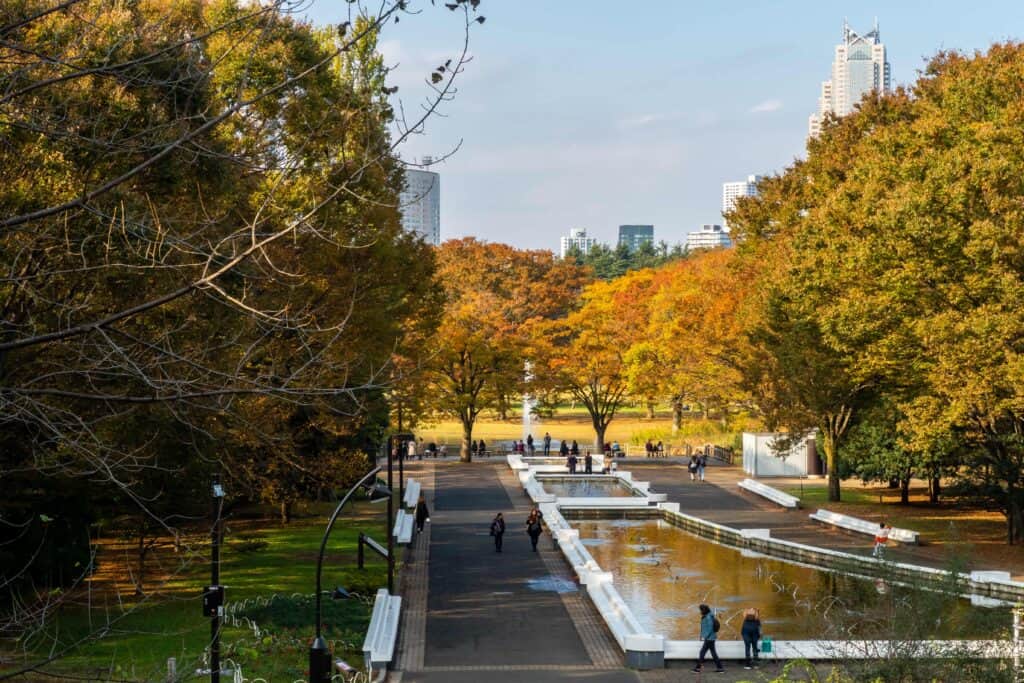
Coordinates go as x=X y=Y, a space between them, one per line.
x=412 y=493
x=772 y=494
x=863 y=526
x=379 y=646
x=403 y=527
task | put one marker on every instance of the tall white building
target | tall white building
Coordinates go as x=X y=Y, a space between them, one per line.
x=859 y=67
x=577 y=238
x=708 y=237
x=732 y=191
x=420 y=203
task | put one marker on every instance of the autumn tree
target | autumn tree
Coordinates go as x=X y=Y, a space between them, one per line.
x=199 y=238
x=493 y=294
x=584 y=355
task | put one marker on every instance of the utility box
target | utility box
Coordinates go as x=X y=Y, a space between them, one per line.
x=213 y=600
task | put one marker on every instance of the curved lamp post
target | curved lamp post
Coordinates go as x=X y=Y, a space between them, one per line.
x=319 y=653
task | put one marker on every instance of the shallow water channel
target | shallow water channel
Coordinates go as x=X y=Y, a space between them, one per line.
x=582 y=487
x=663 y=573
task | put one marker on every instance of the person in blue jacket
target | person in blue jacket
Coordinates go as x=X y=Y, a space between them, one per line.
x=709 y=634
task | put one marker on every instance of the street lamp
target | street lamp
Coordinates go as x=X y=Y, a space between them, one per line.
x=319 y=653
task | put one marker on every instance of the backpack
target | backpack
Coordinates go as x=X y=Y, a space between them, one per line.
x=715 y=624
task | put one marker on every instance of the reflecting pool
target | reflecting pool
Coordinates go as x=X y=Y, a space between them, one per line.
x=663 y=573
x=583 y=487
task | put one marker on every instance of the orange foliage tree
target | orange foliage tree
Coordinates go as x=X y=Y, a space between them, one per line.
x=493 y=294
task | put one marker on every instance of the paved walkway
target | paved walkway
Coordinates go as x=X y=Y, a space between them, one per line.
x=469 y=614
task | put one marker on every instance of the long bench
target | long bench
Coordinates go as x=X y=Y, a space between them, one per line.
x=379 y=646
x=412 y=493
x=863 y=526
x=403 y=527
x=772 y=494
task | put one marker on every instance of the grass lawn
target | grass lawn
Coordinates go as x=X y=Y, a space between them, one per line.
x=269 y=570
x=975 y=535
x=630 y=426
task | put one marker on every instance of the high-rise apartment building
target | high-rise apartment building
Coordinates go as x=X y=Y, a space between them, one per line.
x=635 y=235
x=420 y=203
x=732 y=191
x=708 y=237
x=859 y=67
x=577 y=238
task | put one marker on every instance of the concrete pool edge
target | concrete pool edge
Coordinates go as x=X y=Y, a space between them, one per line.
x=644 y=650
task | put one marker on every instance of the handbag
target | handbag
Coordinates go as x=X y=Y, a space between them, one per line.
x=766 y=644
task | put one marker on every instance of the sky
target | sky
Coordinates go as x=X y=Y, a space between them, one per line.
x=595 y=114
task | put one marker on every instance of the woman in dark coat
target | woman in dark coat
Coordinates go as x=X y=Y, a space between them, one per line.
x=534 y=528
x=498 y=530
x=751 y=632
x=422 y=513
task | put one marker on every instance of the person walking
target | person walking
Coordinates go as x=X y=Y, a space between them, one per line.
x=422 y=513
x=534 y=528
x=497 y=531
x=693 y=467
x=529 y=444
x=660 y=448
x=571 y=463
x=588 y=463
x=411 y=451
x=881 y=539
x=751 y=632
x=702 y=463
x=547 y=444
x=709 y=634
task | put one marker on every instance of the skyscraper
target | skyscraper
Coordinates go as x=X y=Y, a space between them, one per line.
x=732 y=191
x=635 y=235
x=577 y=238
x=859 y=67
x=420 y=203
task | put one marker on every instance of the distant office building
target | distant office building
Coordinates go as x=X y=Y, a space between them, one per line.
x=732 y=191
x=859 y=67
x=420 y=203
x=708 y=237
x=577 y=238
x=635 y=235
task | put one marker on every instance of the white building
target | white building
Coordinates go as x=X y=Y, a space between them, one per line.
x=708 y=237
x=859 y=67
x=577 y=238
x=732 y=191
x=420 y=203
x=763 y=457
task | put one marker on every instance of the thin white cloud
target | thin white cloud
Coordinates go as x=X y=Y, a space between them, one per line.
x=766 y=106
x=644 y=120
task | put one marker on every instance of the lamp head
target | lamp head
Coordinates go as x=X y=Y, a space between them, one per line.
x=377 y=491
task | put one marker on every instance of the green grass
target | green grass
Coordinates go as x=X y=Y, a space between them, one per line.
x=271 y=586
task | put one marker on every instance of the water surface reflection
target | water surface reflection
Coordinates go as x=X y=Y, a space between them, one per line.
x=663 y=573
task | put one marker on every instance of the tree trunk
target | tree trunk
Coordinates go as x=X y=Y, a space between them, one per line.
x=599 y=430
x=285 y=508
x=677 y=416
x=905 y=490
x=934 y=489
x=141 y=573
x=400 y=429
x=650 y=410
x=832 y=462
x=465 y=455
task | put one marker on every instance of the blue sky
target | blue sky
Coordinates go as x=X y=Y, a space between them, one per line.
x=595 y=114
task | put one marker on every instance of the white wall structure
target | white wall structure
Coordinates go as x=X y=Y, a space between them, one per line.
x=761 y=460
x=733 y=191
x=420 y=204
x=859 y=67
x=577 y=238
x=708 y=237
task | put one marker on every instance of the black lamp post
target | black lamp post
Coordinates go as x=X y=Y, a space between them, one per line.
x=319 y=653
